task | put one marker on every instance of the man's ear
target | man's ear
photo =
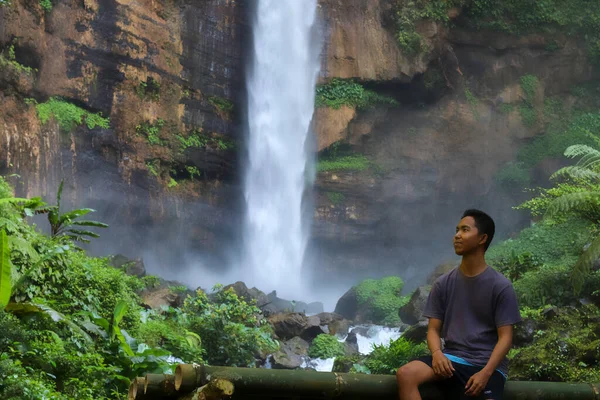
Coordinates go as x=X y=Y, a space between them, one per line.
x=483 y=238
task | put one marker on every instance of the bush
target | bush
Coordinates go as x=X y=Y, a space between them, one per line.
x=387 y=359
x=69 y=115
x=232 y=331
x=340 y=92
x=382 y=299
x=326 y=346
x=566 y=349
x=356 y=162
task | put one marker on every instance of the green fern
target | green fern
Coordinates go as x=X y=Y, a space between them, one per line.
x=584 y=264
x=572 y=201
x=5 y=271
x=586 y=167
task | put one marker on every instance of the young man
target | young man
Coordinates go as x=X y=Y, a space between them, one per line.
x=473 y=307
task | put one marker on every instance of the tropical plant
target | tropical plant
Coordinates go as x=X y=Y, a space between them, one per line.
x=66 y=224
x=586 y=169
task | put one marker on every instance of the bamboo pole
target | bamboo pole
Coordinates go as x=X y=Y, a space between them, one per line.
x=159 y=384
x=136 y=389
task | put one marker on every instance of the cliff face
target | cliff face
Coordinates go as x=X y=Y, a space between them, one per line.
x=169 y=75
x=175 y=66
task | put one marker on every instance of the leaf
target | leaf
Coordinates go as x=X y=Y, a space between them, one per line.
x=78 y=232
x=24 y=247
x=120 y=310
x=71 y=215
x=5 y=271
x=571 y=201
x=59 y=194
x=26 y=308
x=584 y=264
x=90 y=223
x=124 y=345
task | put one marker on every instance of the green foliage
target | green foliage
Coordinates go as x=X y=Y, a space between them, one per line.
x=69 y=115
x=153 y=167
x=10 y=61
x=336 y=198
x=223 y=106
x=513 y=175
x=326 y=346
x=387 y=359
x=357 y=162
x=5 y=271
x=471 y=98
x=232 y=331
x=506 y=108
x=198 y=139
x=581 y=129
x=383 y=299
x=150 y=89
x=151 y=131
x=565 y=349
x=527 y=109
x=344 y=92
x=571 y=17
x=46 y=5
x=172 y=183
x=408 y=13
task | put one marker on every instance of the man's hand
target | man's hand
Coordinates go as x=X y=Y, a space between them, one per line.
x=477 y=383
x=441 y=365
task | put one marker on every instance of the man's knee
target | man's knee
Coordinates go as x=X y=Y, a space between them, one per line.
x=408 y=373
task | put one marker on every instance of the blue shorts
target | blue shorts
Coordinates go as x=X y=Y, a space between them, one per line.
x=454 y=386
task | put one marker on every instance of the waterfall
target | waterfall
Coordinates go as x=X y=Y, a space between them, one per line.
x=281 y=90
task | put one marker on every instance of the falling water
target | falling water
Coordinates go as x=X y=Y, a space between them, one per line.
x=281 y=90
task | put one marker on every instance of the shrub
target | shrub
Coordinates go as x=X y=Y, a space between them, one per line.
x=357 y=162
x=387 y=359
x=382 y=298
x=232 y=331
x=151 y=131
x=326 y=346
x=340 y=92
x=513 y=175
x=565 y=349
x=69 y=115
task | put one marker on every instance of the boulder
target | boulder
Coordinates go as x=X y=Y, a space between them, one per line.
x=417 y=333
x=290 y=354
x=133 y=267
x=351 y=344
x=439 y=271
x=162 y=296
x=347 y=305
x=288 y=325
x=524 y=332
x=412 y=312
x=550 y=312
x=249 y=294
x=275 y=305
x=334 y=323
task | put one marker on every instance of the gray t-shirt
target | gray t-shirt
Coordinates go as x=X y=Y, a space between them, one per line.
x=471 y=309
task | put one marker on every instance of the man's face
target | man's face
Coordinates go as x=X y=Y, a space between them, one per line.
x=467 y=237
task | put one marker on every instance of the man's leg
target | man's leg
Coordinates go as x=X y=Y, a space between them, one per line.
x=410 y=376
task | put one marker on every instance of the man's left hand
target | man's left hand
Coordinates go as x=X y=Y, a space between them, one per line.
x=477 y=383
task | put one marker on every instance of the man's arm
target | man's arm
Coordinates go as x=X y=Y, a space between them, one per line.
x=505 y=335
x=478 y=381
x=440 y=363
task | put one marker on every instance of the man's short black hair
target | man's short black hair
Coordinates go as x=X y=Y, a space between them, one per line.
x=483 y=222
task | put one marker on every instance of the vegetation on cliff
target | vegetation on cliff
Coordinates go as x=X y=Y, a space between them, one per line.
x=346 y=92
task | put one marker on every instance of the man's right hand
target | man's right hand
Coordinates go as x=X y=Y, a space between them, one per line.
x=441 y=365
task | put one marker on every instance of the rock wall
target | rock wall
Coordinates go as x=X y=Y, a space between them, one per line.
x=103 y=56
x=435 y=154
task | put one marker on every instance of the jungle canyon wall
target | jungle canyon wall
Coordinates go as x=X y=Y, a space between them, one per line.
x=170 y=76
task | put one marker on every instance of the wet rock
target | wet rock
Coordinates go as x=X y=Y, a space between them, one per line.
x=524 y=332
x=290 y=354
x=162 y=296
x=351 y=344
x=289 y=325
x=335 y=323
x=412 y=312
x=417 y=333
x=133 y=267
x=276 y=305
x=347 y=305
x=439 y=271
x=249 y=294
x=550 y=312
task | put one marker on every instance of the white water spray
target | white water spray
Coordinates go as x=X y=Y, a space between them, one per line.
x=281 y=91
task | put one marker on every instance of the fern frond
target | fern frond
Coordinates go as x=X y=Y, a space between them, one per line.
x=575 y=171
x=571 y=202
x=584 y=265
x=590 y=157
